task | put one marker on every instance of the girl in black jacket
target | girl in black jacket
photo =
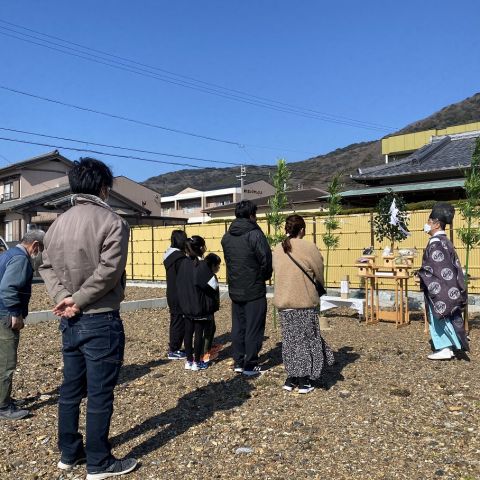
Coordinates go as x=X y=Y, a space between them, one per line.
x=210 y=351
x=171 y=260
x=198 y=296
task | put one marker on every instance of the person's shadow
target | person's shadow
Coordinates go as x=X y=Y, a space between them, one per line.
x=333 y=374
x=192 y=409
x=131 y=372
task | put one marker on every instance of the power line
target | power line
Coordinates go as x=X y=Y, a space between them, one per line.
x=128 y=157
x=97 y=152
x=139 y=122
x=119 y=117
x=118 y=147
x=200 y=85
x=135 y=70
x=174 y=155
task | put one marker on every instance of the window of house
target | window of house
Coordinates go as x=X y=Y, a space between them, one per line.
x=191 y=206
x=11 y=190
x=12 y=231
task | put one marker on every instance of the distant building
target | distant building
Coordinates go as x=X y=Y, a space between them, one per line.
x=192 y=204
x=35 y=191
x=396 y=147
x=433 y=172
x=305 y=201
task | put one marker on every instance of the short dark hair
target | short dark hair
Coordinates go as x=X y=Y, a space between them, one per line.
x=89 y=175
x=178 y=239
x=213 y=260
x=245 y=209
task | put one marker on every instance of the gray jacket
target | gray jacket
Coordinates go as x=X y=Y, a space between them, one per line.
x=85 y=256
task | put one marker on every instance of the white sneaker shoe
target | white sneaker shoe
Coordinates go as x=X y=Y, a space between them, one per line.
x=443 y=354
x=195 y=367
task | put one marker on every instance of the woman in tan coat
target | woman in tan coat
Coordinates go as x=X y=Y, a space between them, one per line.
x=304 y=351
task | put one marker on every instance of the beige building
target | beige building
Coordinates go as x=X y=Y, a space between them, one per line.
x=192 y=204
x=304 y=201
x=35 y=191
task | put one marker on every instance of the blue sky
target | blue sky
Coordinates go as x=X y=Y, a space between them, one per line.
x=380 y=62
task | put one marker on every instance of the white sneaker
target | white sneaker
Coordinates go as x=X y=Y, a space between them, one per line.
x=70 y=466
x=443 y=354
x=188 y=365
x=195 y=367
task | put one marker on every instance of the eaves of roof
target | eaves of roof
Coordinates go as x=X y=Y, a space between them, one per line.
x=20 y=203
x=407 y=187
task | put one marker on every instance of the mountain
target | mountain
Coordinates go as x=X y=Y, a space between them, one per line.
x=316 y=171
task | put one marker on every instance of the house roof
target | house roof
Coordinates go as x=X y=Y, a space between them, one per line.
x=53 y=155
x=64 y=200
x=34 y=199
x=59 y=197
x=293 y=197
x=403 y=187
x=445 y=154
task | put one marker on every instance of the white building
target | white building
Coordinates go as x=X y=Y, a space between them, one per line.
x=189 y=203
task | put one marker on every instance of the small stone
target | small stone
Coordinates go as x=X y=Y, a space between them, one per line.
x=241 y=450
x=455 y=408
x=344 y=393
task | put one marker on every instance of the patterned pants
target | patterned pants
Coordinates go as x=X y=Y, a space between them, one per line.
x=304 y=351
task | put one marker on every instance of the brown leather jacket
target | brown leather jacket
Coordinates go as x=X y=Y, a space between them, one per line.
x=85 y=256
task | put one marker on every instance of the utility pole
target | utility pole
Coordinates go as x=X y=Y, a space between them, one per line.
x=243 y=174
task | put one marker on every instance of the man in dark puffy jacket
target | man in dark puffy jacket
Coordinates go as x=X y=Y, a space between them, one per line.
x=249 y=265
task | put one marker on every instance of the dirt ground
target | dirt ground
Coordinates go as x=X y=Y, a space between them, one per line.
x=41 y=301
x=382 y=412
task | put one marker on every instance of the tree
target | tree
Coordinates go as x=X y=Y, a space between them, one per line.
x=332 y=224
x=277 y=203
x=470 y=210
x=383 y=226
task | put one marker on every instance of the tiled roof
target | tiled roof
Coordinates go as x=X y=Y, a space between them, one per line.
x=447 y=153
x=24 y=202
x=404 y=188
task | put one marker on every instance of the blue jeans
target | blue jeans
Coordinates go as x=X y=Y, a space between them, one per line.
x=93 y=347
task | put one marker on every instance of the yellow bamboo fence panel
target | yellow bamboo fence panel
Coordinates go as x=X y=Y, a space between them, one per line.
x=148 y=244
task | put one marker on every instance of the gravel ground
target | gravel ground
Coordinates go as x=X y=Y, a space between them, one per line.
x=382 y=412
x=41 y=301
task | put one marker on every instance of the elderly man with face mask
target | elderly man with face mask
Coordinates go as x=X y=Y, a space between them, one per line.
x=443 y=283
x=16 y=273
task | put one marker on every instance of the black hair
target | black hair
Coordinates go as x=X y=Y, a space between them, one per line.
x=178 y=239
x=443 y=213
x=89 y=175
x=294 y=224
x=195 y=246
x=213 y=260
x=245 y=209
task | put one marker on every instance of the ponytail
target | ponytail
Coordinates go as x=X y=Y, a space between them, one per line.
x=294 y=224
x=195 y=247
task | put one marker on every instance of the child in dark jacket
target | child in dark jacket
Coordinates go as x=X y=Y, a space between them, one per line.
x=210 y=351
x=171 y=260
x=197 y=294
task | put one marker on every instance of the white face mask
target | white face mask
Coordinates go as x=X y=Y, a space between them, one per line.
x=427 y=228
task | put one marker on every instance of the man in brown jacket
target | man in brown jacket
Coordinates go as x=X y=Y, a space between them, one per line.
x=84 y=271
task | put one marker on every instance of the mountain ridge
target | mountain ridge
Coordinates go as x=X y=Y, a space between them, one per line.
x=344 y=159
